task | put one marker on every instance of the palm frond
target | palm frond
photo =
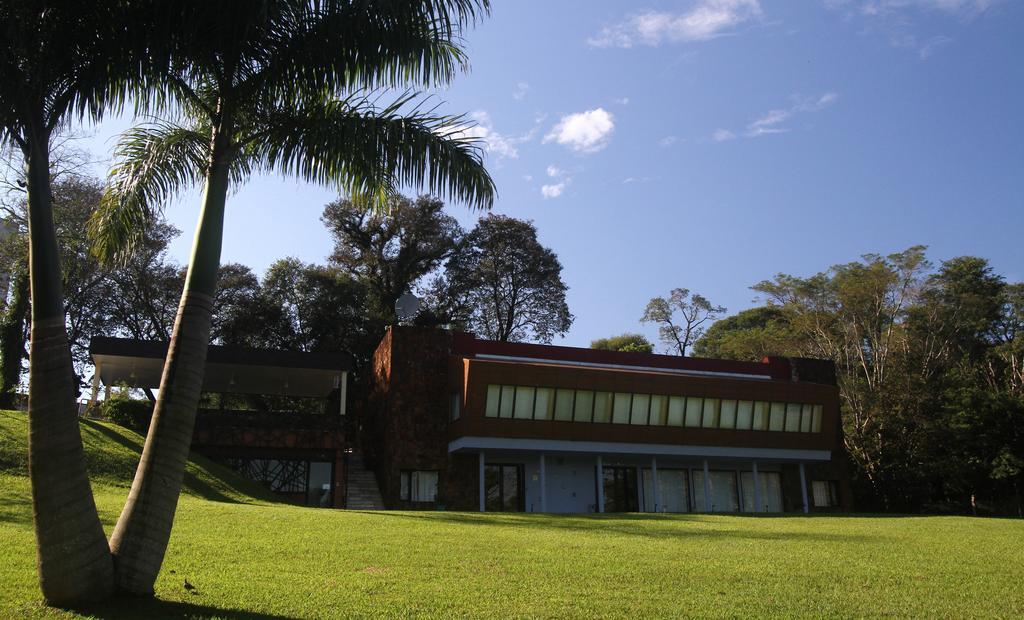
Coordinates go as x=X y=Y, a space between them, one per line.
x=373 y=153
x=153 y=162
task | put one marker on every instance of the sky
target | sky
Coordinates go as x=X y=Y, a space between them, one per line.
x=711 y=144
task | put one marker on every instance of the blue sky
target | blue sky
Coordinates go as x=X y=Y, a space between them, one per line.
x=710 y=144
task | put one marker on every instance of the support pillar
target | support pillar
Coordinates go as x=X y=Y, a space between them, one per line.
x=655 y=485
x=600 y=485
x=757 y=489
x=543 y=485
x=483 y=504
x=95 y=386
x=803 y=488
x=707 y=488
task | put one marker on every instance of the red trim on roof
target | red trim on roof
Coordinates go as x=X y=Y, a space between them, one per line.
x=469 y=346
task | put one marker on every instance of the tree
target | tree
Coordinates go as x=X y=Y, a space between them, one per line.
x=59 y=63
x=750 y=335
x=275 y=86
x=503 y=284
x=635 y=343
x=391 y=251
x=694 y=311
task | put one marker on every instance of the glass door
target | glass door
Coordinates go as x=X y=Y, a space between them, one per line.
x=620 y=492
x=503 y=487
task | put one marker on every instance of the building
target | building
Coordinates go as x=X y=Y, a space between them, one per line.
x=447 y=421
x=469 y=424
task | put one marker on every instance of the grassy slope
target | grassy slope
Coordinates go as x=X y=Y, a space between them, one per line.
x=258 y=559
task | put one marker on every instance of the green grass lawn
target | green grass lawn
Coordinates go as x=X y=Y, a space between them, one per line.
x=250 y=557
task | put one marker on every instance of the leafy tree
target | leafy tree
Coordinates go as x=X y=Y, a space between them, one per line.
x=681 y=318
x=750 y=335
x=503 y=284
x=275 y=86
x=634 y=343
x=391 y=251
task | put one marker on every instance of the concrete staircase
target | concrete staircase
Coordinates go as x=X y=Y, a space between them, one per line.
x=363 y=492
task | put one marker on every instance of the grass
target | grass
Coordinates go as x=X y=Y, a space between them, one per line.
x=250 y=557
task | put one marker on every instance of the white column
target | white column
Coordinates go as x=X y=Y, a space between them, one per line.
x=600 y=485
x=543 y=486
x=803 y=488
x=483 y=505
x=707 y=487
x=654 y=484
x=95 y=386
x=757 y=489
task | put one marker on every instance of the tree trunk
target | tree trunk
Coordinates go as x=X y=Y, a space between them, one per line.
x=12 y=338
x=71 y=549
x=143 y=530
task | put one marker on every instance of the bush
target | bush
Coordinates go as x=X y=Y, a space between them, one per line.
x=129 y=413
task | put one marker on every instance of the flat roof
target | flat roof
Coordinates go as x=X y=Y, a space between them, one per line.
x=139 y=363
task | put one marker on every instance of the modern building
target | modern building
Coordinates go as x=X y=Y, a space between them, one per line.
x=470 y=424
x=446 y=421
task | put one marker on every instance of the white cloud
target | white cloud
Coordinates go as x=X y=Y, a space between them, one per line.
x=722 y=135
x=965 y=8
x=494 y=143
x=704 y=20
x=554 y=171
x=773 y=121
x=553 y=191
x=667 y=141
x=621 y=101
x=520 y=91
x=586 y=132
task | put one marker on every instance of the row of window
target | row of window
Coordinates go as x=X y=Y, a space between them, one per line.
x=543 y=403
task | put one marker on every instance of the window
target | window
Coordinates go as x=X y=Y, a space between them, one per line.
x=603 y=407
x=659 y=410
x=641 y=404
x=493 y=401
x=563 y=404
x=710 y=419
x=825 y=493
x=455 y=406
x=524 y=403
x=770 y=491
x=760 y=416
x=807 y=412
x=792 y=418
x=778 y=419
x=816 y=420
x=620 y=410
x=508 y=396
x=503 y=488
x=727 y=417
x=693 y=411
x=418 y=486
x=744 y=414
x=676 y=406
x=544 y=404
x=724 y=496
x=584 y=406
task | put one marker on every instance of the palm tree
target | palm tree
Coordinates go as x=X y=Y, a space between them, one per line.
x=288 y=86
x=59 y=63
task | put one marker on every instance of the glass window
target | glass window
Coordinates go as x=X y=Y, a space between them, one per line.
x=403 y=486
x=778 y=419
x=524 y=403
x=792 y=418
x=638 y=414
x=760 y=416
x=673 y=494
x=710 y=419
x=806 y=413
x=770 y=491
x=563 y=404
x=544 y=404
x=493 y=398
x=727 y=418
x=620 y=410
x=508 y=396
x=744 y=414
x=455 y=406
x=816 y=421
x=602 y=406
x=676 y=406
x=693 y=410
x=724 y=496
x=584 y=406
x=825 y=493
x=418 y=486
x=659 y=410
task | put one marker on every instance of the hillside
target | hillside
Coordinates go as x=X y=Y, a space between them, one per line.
x=254 y=559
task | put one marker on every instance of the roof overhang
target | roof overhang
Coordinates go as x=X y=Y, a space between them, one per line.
x=139 y=363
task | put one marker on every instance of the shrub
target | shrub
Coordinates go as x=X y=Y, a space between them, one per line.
x=129 y=413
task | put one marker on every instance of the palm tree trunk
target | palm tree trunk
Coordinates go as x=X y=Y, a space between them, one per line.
x=71 y=549
x=140 y=538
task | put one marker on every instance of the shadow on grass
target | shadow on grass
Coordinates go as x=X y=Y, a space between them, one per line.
x=630 y=524
x=158 y=608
